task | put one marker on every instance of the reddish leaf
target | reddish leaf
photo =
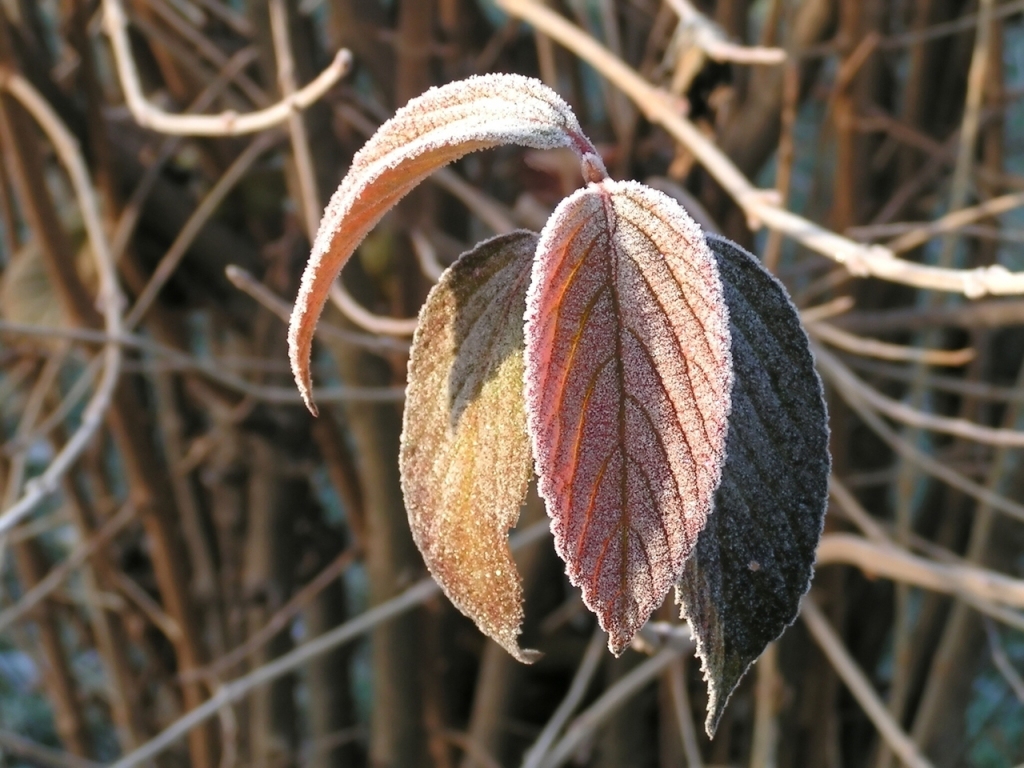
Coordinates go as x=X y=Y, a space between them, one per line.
x=628 y=378
x=465 y=456
x=431 y=131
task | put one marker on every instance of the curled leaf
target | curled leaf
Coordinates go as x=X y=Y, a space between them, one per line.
x=429 y=132
x=754 y=559
x=465 y=457
x=628 y=378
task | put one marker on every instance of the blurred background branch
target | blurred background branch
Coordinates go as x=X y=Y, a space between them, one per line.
x=196 y=573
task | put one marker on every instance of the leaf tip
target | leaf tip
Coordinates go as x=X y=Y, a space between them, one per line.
x=300 y=349
x=525 y=655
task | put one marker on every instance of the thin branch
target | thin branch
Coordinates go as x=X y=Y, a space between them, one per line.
x=883 y=350
x=977 y=389
x=963 y=24
x=956 y=221
x=367 y=320
x=170 y=261
x=225 y=124
x=426 y=255
x=892 y=562
x=49 y=583
x=1002 y=662
x=207 y=50
x=852 y=509
x=711 y=39
x=212 y=369
x=616 y=696
x=829 y=309
x=536 y=754
x=423 y=590
x=132 y=209
x=110 y=298
x=248 y=284
x=683 y=711
x=860 y=686
x=845 y=380
x=761 y=209
x=43 y=755
x=310 y=196
x=279 y=620
x=930 y=465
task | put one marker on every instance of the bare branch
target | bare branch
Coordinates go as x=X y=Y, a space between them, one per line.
x=860 y=686
x=110 y=298
x=616 y=696
x=892 y=562
x=762 y=209
x=537 y=753
x=415 y=595
x=846 y=381
x=225 y=124
x=49 y=583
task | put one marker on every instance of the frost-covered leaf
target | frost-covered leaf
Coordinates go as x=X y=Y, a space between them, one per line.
x=753 y=561
x=430 y=131
x=627 y=389
x=465 y=455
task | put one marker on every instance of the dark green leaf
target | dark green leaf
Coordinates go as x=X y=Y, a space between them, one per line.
x=753 y=561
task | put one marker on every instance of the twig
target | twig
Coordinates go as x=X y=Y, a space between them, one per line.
x=883 y=350
x=279 y=620
x=982 y=314
x=476 y=753
x=844 y=379
x=309 y=195
x=976 y=389
x=536 y=754
x=860 y=687
x=212 y=369
x=247 y=283
x=1002 y=662
x=963 y=24
x=170 y=261
x=616 y=696
x=710 y=38
x=132 y=210
x=148 y=606
x=207 y=50
x=37 y=753
x=415 y=595
x=59 y=573
x=490 y=211
x=786 y=156
x=29 y=414
x=426 y=255
x=237 y=21
x=224 y=124
x=956 y=221
x=367 y=320
x=761 y=208
x=930 y=465
x=110 y=299
x=893 y=562
x=829 y=309
x=855 y=512
x=684 y=714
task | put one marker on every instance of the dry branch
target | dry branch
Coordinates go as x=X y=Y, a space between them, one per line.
x=760 y=207
x=224 y=124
